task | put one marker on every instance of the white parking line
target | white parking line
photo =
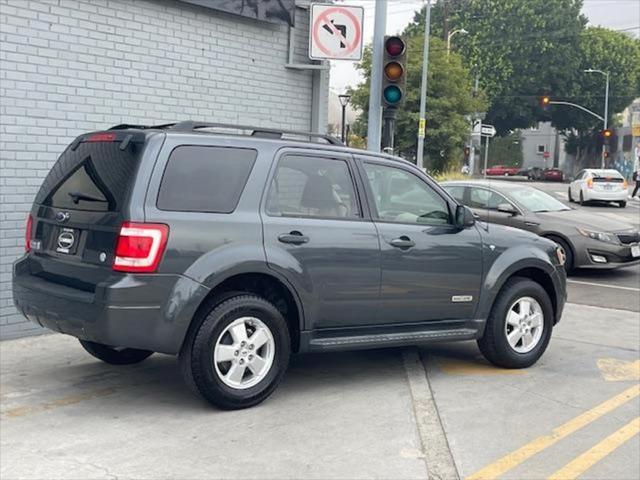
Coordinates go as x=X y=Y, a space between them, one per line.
x=592 y=284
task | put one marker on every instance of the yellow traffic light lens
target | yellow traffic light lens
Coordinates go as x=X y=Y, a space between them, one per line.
x=607 y=133
x=545 y=100
x=393 y=71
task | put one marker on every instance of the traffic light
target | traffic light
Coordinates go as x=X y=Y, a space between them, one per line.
x=467 y=152
x=545 y=101
x=606 y=135
x=394 y=70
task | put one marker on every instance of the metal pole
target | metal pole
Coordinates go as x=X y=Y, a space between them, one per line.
x=423 y=88
x=486 y=156
x=375 y=90
x=344 y=111
x=606 y=113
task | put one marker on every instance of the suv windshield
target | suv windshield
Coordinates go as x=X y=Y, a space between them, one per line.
x=536 y=201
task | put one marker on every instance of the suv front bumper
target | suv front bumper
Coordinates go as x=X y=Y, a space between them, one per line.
x=149 y=312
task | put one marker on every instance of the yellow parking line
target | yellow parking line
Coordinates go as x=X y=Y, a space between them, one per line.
x=588 y=459
x=525 y=452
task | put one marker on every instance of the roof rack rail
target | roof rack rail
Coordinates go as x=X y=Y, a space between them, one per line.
x=125 y=126
x=189 y=125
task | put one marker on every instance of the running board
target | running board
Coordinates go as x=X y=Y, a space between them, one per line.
x=350 y=339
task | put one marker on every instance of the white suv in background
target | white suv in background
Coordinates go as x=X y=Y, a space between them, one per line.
x=599 y=184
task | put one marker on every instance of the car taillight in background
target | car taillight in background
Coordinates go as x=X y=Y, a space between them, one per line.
x=27 y=234
x=140 y=247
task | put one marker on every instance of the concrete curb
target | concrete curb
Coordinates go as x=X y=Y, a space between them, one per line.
x=435 y=447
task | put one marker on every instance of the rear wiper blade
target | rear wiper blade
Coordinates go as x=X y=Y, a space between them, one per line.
x=77 y=196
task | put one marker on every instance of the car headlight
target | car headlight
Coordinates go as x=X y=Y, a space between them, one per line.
x=561 y=256
x=602 y=236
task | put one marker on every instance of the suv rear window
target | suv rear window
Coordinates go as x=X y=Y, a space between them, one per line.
x=205 y=179
x=96 y=176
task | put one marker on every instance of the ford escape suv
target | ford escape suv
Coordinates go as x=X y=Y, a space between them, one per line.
x=233 y=247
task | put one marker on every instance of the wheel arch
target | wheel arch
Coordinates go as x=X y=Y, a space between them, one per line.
x=264 y=284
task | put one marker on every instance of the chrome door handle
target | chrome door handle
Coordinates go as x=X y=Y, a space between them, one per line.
x=402 y=242
x=294 y=237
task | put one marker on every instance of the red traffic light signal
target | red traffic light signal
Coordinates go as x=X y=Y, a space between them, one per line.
x=467 y=151
x=394 y=70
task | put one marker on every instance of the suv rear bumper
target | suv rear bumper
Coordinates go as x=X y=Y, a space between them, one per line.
x=149 y=312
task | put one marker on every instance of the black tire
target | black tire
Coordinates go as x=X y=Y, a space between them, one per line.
x=494 y=345
x=622 y=204
x=582 y=202
x=569 y=265
x=569 y=194
x=197 y=362
x=113 y=356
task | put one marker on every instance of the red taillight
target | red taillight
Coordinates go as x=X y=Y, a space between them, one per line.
x=102 y=137
x=28 y=233
x=140 y=247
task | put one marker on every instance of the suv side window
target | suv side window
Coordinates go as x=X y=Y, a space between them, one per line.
x=483 y=198
x=402 y=197
x=309 y=186
x=205 y=179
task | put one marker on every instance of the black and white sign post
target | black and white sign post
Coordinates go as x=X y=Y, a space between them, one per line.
x=486 y=131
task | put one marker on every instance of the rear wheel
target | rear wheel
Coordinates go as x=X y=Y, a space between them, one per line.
x=582 y=202
x=622 y=204
x=239 y=354
x=115 y=356
x=519 y=327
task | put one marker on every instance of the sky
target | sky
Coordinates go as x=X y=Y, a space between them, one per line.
x=614 y=14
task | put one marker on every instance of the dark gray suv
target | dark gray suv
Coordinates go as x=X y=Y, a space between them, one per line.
x=233 y=247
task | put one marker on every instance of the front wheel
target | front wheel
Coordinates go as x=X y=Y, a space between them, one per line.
x=239 y=354
x=519 y=326
x=569 y=195
x=115 y=356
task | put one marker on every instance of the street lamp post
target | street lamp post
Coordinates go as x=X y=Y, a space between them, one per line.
x=460 y=30
x=606 y=103
x=344 y=101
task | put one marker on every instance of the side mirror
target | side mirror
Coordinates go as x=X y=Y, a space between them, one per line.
x=464 y=217
x=507 y=208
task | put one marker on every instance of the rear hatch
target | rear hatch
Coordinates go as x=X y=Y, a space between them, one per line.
x=608 y=183
x=80 y=207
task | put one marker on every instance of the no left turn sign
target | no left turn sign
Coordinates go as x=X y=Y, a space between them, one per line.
x=335 y=32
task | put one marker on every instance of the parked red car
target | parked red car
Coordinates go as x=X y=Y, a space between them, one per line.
x=502 y=170
x=553 y=175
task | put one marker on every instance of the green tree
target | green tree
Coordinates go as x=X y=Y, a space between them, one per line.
x=449 y=99
x=506 y=150
x=608 y=51
x=520 y=49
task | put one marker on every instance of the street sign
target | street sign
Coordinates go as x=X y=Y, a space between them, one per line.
x=487 y=131
x=546 y=154
x=422 y=127
x=335 y=32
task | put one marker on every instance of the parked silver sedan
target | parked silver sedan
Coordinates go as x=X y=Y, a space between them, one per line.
x=588 y=240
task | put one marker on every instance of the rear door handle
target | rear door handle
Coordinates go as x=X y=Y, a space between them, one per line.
x=294 y=237
x=402 y=242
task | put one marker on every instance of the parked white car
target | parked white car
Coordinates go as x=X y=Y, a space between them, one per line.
x=597 y=184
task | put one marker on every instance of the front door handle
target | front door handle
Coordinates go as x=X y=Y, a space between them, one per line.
x=294 y=237
x=402 y=242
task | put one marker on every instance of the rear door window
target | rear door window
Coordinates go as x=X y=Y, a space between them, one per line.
x=205 y=179
x=312 y=187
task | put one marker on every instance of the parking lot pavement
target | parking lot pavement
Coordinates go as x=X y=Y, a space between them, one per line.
x=575 y=413
x=66 y=415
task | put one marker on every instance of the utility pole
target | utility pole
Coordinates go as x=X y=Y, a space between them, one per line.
x=472 y=150
x=423 y=88
x=486 y=156
x=445 y=20
x=375 y=89
x=606 y=104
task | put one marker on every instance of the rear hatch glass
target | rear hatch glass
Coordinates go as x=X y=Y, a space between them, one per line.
x=608 y=182
x=79 y=208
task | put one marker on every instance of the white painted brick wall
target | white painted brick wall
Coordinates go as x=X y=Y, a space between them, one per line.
x=71 y=66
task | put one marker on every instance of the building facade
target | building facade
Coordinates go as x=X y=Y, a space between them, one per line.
x=72 y=66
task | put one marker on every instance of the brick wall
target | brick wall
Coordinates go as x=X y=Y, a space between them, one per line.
x=71 y=66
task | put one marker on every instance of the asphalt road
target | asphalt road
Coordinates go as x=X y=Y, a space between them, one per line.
x=618 y=289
